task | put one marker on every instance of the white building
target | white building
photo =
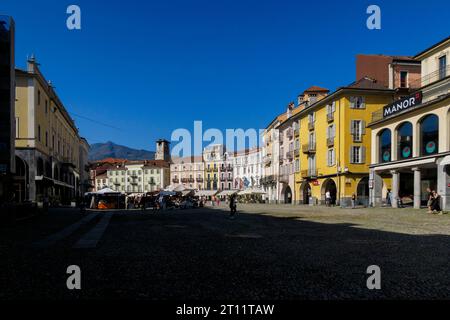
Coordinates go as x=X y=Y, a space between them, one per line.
x=247 y=169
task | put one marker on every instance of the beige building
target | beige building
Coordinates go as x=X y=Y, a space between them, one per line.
x=48 y=144
x=188 y=172
x=410 y=138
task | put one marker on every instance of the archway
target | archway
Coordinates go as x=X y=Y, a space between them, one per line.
x=306 y=192
x=329 y=186
x=21 y=180
x=384 y=143
x=362 y=192
x=404 y=141
x=288 y=195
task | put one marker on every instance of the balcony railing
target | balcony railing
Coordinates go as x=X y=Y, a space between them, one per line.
x=267 y=160
x=199 y=179
x=430 y=78
x=330 y=142
x=296 y=132
x=290 y=155
x=175 y=180
x=283 y=177
x=330 y=116
x=311 y=125
x=290 y=133
x=309 y=173
x=309 y=148
x=184 y=180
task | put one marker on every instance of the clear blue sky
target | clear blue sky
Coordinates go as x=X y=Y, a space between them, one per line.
x=149 y=67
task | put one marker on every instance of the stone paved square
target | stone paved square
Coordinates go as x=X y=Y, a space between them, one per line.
x=267 y=252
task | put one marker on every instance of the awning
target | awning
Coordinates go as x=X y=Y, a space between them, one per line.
x=206 y=193
x=186 y=192
x=228 y=192
x=251 y=191
x=445 y=161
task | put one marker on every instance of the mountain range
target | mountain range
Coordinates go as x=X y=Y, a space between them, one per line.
x=100 y=151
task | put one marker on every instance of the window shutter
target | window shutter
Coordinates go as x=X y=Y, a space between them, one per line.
x=352 y=102
x=328 y=157
x=351 y=154
x=333 y=131
x=363 y=127
x=333 y=106
x=352 y=127
x=328 y=132
x=363 y=102
x=363 y=155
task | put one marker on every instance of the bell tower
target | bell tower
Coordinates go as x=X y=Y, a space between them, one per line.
x=162 y=150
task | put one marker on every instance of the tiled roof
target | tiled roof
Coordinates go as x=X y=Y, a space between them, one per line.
x=316 y=89
x=366 y=83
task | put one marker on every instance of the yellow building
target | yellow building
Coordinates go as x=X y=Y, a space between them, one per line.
x=50 y=154
x=335 y=144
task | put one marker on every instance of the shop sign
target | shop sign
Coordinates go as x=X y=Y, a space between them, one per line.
x=402 y=104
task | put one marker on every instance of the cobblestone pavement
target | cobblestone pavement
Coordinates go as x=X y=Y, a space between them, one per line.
x=267 y=252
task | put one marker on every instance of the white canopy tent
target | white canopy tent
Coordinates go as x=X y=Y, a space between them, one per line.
x=206 y=193
x=252 y=191
x=228 y=192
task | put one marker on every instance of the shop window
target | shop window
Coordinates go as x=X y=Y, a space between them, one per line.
x=429 y=131
x=405 y=140
x=385 y=146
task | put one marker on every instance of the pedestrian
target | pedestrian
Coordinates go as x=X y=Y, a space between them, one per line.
x=353 y=201
x=388 y=198
x=436 y=204
x=430 y=200
x=328 y=198
x=233 y=206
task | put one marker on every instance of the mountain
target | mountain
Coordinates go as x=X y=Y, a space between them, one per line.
x=100 y=151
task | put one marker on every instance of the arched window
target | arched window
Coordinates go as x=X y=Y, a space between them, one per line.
x=429 y=135
x=385 y=149
x=404 y=140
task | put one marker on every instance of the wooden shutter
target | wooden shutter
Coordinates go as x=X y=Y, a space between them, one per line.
x=363 y=127
x=363 y=155
x=351 y=154
x=352 y=127
x=352 y=102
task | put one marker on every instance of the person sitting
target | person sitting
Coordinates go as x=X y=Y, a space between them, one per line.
x=436 y=204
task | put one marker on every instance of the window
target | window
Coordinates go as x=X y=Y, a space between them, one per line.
x=331 y=132
x=404 y=141
x=357 y=129
x=312 y=117
x=442 y=67
x=39 y=97
x=357 y=103
x=297 y=165
x=384 y=141
x=357 y=154
x=46 y=138
x=331 y=157
x=403 y=79
x=17 y=127
x=46 y=106
x=39 y=133
x=429 y=131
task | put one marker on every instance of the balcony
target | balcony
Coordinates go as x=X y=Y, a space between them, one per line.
x=330 y=142
x=430 y=78
x=296 y=132
x=311 y=126
x=229 y=178
x=191 y=180
x=283 y=177
x=267 y=160
x=290 y=133
x=199 y=179
x=281 y=158
x=290 y=155
x=309 y=148
x=330 y=117
x=176 y=180
x=229 y=169
x=269 y=180
x=309 y=174
x=184 y=180
x=223 y=179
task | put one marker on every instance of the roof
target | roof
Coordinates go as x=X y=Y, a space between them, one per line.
x=316 y=89
x=190 y=159
x=432 y=47
x=366 y=83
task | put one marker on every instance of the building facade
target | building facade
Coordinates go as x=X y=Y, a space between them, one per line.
x=188 y=172
x=411 y=152
x=47 y=142
x=247 y=169
x=218 y=168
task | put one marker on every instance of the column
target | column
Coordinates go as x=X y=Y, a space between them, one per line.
x=395 y=187
x=417 y=188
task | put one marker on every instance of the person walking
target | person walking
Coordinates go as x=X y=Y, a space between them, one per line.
x=388 y=198
x=353 y=201
x=233 y=206
x=328 y=198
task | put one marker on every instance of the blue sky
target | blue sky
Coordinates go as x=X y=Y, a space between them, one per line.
x=149 y=67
